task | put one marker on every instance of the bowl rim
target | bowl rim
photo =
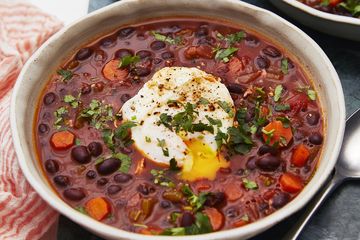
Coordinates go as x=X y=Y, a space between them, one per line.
x=324 y=15
x=115 y=233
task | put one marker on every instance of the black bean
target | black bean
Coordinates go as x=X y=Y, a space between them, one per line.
x=125 y=32
x=122 y=178
x=144 y=54
x=91 y=174
x=124 y=97
x=157 y=45
x=262 y=62
x=123 y=52
x=61 y=180
x=267 y=149
x=235 y=88
x=43 y=128
x=201 y=31
x=167 y=55
x=107 y=42
x=268 y=162
x=85 y=89
x=271 y=52
x=280 y=199
x=74 y=194
x=83 y=54
x=95 y=148
x=187 y=219
x=102 y=181
x=251 y=163
x=108 y=166
x=316 y=138
x=312 y=118
x=80 y=154
x=113 y=189
x=165 y=204
x=231 y=212
x=252 y=41
x=215 y=199
x=51 y=166
x=49 y=98
x=145 y=188
x=141 y=71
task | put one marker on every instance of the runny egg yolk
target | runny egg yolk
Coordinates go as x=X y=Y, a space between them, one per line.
x=203 y=162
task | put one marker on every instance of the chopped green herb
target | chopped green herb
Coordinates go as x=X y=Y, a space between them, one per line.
x=174 y=216
x=253 y=129
x=249 y=185
x=215 y=122
x=195 y=201
x=311 y=94
x=99 y=160
x=147 y=139
x=285 y=66
x=283 y=141
x=282 y=107
x=98 y=114
x=128 y=60
x=81 y=209
x=163 y=38
x=202 y=225
x=162 y=144
x=123 y=135
x=200 y=127
x=77 y=141
x=161 y=179
x=277 y=92
x=59 y=117
x=66 y=75
x=285 y=121
x=240 y=141
x=220 y=139
x=245 y=218
x=74 y=102
x=203 y=101
x=224 y=54
x=353 y=6
x=226 y=107
x=125 y=162
x=268 y=133
x=108 y=138
x=235 y=37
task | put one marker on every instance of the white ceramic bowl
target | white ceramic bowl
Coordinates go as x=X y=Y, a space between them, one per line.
x=44 y=62
x=336 y=25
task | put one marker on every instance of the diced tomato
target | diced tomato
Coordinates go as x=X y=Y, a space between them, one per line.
x=97 y=208
x=298 y=102
x=290 y=183
x=151 y=231
x=240 y=223
x=233 y=191
x=264 y=111
x=62 y=140
x=300 y=155
x=202 y=51
x=112 y=72
x=216 y=218
x=277 y=133
x=235 y=66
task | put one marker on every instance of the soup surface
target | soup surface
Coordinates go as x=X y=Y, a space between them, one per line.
x=178 y=127
x=349 y=8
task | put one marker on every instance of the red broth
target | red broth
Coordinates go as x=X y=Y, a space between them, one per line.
x=277 y=109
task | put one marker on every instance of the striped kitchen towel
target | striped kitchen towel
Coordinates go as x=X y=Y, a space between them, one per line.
x=23 y=28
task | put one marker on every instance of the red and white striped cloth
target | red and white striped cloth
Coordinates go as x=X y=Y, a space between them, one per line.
x=23 y=28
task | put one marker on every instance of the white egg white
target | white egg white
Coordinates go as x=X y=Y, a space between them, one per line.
x=184 y=85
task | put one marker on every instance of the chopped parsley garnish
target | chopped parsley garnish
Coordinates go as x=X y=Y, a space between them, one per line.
x=277 y=92
x=81 y=209
x=221 y=138
x=282 y=107
x=147 y=139
x=164 y=38
x=240 y=141
x=226 y=107
x=173 y=165
x=215 y=122
x=311 y=94
x=73 y=101
x=285 y=121
x=66 y=75
x=285 y=66
x=353 y=6
x=224 y=54
x=203 y=101
x=196 y=201
x=250 y=185
x=98 y=114
x=128 y=60
x=202 y=225
x=59 y=117
x=108 y=138
x=125 y=162
x=99 y=160
x=162 y=144
x=161 y=179
x=120 y=137
x=77 y=141
x=232 y=38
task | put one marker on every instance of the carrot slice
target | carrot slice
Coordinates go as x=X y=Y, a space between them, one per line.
x=62 y=140
x=98 y=208
x=233 y=192
x=215 y=217
x=290 y=183
x=300 y=155
x=112 y=72
x=276 y=132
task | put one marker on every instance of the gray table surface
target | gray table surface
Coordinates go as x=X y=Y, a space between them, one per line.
x=339 y=217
